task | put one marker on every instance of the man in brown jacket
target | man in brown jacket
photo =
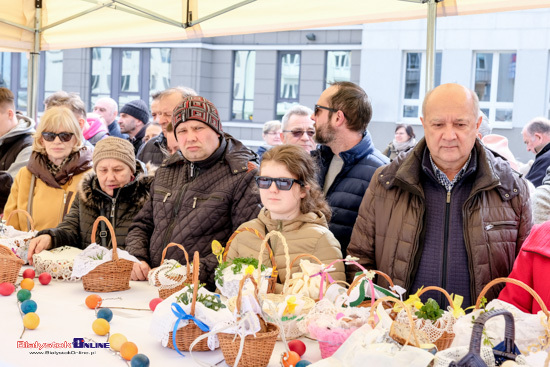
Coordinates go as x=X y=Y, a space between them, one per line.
x=449 y=213
x=201 y=193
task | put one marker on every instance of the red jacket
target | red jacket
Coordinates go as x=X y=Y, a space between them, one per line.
x=531 y=267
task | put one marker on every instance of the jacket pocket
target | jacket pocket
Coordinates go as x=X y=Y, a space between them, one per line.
x=162 y=195
x=211 y=200
x=503 y=224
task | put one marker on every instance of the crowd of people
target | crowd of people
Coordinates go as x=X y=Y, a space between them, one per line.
x=452 y=210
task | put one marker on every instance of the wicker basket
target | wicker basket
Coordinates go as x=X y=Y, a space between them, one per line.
x=179 y=280
x=274 y=273
x=187 y=334
x=257 y=348
x=112 y=276
x=323 y=274
x=358 y=280
x=17 y=240
x=9 y=265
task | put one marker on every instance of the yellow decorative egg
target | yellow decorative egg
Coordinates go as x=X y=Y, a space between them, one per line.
x=116 y=341
x=101 y=326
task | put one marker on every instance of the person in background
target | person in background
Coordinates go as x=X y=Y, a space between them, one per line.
x=298 y=128
x=133 y=120
x=536 y=136
x=152 y=131
x=201 y=193
x=46 y=187
x=347 y=157
x=117 y=188
x=293 y=205
x=15 y=143
x=404 y=140
x=108 y=109
x=449 y=212
x=271 y=135
x=94 y=129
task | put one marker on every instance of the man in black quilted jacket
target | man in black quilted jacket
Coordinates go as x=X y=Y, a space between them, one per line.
x=200 y=194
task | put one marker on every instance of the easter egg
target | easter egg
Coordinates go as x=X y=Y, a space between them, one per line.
x=290 y=359
x=297 y=346
x=45 y=278
x=128 y=350
x=101 y=326
x=27 y=283
x=28 y=306
x=31 y=320
x=105 y=313
x=6 y=289
x=116 y=341
x=140 y=360
x=303 y=363
x=154 y=302
x=29 y=273
x=23 y=295
x=93 y=301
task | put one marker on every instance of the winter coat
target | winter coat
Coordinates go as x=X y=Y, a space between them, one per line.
x=306 y=234
x=388 y=232
x=538 y=169
x=541 y=201
x=51 y=197
x=346 y=192
x=154 y=151
x=91 y=202
x=531 y=267
x=193 y=203
x=391 y=151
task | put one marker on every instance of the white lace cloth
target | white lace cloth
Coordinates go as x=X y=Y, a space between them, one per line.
x=17 y=241
x=95 y=255
x=169 y=274
x=58 y=262
x=164 y=319
x=231 y=281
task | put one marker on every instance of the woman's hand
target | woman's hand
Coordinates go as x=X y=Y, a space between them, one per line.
x=140 y=271
x=42 y=242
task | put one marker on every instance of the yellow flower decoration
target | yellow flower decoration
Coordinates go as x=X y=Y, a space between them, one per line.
x=412 y=301
x=457 y=305
x=217 y=249
x=249 y=270
x=290 y=305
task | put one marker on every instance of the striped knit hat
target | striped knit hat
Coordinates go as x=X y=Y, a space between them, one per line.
x=197 y=108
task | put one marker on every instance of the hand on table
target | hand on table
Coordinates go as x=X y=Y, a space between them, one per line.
x=140 y=271
x=42 y=242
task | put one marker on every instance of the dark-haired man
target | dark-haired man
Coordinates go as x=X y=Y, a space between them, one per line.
x=347 y=157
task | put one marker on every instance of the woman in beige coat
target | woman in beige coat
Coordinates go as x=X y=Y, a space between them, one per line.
x=295 y=206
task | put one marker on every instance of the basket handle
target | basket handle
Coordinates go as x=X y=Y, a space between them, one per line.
x=404 y=306
x=29 y=218
x=434 y=288
x=359 y=278
x=171 y=244
x=241 y=285
x=264 y=245
x=305 y=255
x=111 y=230
x=518 y=283
x=244 y=229
x=477 y=332
x=196 y=264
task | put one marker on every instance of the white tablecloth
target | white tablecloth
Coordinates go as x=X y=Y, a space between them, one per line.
x=64 y=316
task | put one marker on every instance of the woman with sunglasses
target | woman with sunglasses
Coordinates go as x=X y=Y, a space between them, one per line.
x=294 y=205
x=46 y=187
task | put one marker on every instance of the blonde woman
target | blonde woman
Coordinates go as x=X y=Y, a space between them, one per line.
x=46 y=187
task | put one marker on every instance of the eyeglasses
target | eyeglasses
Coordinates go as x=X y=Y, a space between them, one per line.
x=299 y=133
x=318 y=107
x=64 y=137
x=283 y=184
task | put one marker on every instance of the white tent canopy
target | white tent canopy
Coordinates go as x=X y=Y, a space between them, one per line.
x=36 y=25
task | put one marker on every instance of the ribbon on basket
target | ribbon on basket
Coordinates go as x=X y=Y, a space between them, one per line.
x=182 y=315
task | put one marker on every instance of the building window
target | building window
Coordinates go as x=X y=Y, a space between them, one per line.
x=338 y=67
x=5 y=69
x=414 y=85
x=494 y=83
x=160 y=69
x=53 y=74
x=101 y=73
x=244 y=71
x=288 y=86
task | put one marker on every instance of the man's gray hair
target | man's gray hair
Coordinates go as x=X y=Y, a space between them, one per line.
x=272 y=125
x=110 y=101
x=539 y=125
x=296 y=110
x=485 y=127
x=183 y=91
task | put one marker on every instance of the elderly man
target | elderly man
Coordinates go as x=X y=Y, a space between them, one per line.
x=347 y=157
x=160 y=147
x=15 y=143
x=298 y=128
x=536 y=135
x=201 y=193
x=108 y=109
x=448 y=213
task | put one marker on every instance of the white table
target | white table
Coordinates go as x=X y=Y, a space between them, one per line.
x=64 y=316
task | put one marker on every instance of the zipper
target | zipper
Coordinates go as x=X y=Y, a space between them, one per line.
x=503 y=223
x=166 y=194
x=63 y=207
x=192 y=169
x=445 y=245
x=196 y=199
x=177 y=204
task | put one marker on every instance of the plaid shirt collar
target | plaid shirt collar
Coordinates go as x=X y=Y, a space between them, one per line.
x=442 y=177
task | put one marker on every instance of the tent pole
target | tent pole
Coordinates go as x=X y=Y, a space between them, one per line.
x=34 y=63
x=430 y=44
